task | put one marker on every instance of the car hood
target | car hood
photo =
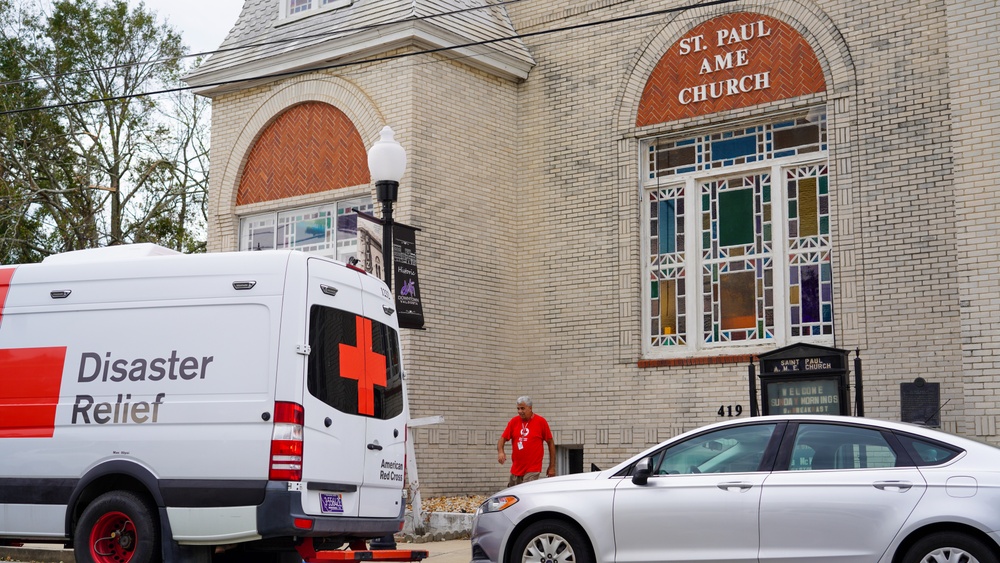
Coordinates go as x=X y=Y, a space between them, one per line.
x=549 y=483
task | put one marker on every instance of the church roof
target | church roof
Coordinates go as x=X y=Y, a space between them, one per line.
x=265 y=43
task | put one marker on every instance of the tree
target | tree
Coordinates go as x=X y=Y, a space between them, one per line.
x=179 y=175
x=116 y=165
x=35 y=163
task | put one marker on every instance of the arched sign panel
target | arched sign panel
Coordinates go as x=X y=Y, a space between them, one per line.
x=729 y=62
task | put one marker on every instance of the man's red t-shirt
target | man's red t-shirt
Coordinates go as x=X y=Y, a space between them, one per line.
x=527 y=443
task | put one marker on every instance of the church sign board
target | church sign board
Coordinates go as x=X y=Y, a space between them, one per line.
x=804 y=379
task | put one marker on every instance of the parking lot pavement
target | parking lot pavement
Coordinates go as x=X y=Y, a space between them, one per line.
x=451 y=551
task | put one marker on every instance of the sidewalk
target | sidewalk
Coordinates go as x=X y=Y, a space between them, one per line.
x=450 y=551
x=39 y=553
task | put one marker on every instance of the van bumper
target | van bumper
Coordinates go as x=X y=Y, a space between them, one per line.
x=277 y=514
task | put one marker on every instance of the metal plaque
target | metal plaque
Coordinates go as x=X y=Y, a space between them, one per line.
x=921 y=402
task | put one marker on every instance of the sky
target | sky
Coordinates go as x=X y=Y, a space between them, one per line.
x=202 y=23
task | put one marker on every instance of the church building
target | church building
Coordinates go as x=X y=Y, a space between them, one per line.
x=623 y=204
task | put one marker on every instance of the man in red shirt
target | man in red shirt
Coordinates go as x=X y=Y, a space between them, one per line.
x=527 y=431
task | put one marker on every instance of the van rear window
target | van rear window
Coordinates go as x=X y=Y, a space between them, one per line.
x=354 y=364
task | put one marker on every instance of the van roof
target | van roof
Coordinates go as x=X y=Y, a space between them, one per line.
x=110 y=253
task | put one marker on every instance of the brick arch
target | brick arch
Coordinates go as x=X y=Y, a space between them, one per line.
x=772 y=62
x=310 y=147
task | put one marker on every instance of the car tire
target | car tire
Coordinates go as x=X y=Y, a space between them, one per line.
x=949 y=547
x=551 y=541
x=117 y=527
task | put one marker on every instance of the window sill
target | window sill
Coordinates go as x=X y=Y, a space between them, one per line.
x=702 y=361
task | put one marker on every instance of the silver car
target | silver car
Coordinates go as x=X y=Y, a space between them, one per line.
x=774 y=489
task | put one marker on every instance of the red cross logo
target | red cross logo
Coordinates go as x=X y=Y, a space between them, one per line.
x=361 y=363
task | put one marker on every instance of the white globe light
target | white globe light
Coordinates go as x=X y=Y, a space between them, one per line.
x=386 y=158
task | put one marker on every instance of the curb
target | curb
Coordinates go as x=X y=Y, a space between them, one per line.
x=52 y=554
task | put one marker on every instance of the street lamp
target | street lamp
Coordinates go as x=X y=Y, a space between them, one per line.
x=386 y=164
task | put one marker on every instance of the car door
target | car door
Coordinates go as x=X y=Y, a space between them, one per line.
x=700 y=502
x=842 y=494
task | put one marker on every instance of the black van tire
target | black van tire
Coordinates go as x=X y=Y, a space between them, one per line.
x=117 y=527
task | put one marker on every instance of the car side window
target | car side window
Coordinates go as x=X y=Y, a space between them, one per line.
x=927 y=452
x=729 y=450
x=830 y=446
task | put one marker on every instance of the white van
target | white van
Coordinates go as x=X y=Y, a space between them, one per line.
x=233 y=406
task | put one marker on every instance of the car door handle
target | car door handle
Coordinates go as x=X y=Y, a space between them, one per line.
x=374 y=447
x=730 y=485
x=898 y=486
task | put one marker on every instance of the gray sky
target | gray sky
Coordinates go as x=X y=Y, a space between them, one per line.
x=202 y=23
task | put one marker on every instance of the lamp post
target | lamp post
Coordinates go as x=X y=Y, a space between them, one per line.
x=386 y=164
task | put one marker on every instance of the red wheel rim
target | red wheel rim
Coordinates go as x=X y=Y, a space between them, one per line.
x=113 y=538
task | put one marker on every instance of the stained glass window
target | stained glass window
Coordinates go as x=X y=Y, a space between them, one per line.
x=330 y=230
x=736 y=258
x=667 y=273
x=810 y=276
x=257 y=233
x=739 y=236
x=791 y=137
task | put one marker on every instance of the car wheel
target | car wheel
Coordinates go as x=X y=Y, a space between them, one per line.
x=949 y=547
x=550 y=541
x=118 y=527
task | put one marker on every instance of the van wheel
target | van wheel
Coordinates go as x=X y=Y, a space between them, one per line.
x=550 y=541
x=118 y=527
x=949 y=547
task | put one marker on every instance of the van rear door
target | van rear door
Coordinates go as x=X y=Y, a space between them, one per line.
x=354 y=404
x=334 y=436
x=384 y=466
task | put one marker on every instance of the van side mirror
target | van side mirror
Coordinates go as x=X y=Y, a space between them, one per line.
x=640 y=474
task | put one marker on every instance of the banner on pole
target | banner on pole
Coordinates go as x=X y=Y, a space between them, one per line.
x=404 y=258
x=404 y=265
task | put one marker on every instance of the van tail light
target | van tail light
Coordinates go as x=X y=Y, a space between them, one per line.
x=286 y=442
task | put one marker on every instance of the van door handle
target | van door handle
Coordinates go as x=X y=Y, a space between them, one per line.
x=374 y=447
x=897 y=486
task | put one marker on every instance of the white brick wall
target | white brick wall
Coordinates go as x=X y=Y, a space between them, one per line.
x=527 y=197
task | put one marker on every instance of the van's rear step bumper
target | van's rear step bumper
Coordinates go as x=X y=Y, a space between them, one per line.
x=357 y=552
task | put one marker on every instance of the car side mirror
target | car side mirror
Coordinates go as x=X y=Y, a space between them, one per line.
x=640 y=474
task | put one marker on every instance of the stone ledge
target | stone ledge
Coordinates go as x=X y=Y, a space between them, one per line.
x=46 y=554
x=437 y=526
